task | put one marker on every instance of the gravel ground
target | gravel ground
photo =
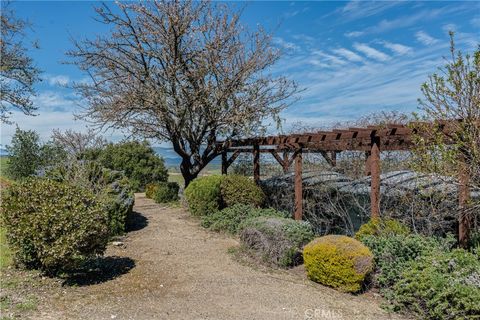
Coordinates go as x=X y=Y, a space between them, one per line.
x=171 y=268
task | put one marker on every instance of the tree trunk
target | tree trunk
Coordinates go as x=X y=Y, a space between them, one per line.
x=186 y=169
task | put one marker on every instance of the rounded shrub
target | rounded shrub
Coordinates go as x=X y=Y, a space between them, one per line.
x=150 y=190
x=238 y=189
x=203 y=195
x=166 y=192
x=441 y=285
x=230 y=219
x=381 y=227
x=52 y=225
x=275 y=240
x=338 y=261
x=393 y=253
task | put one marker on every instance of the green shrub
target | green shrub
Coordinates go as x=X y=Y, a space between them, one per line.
x=136 y=159
x=338 y=261
x=166 y=192
x=51 y=225
x=441 y=285
x=394 y=252
x=203 y=195
x=111 y=187
x=230 y=219
x=237 y=189
x=150 y=189
x=278 y=241
x=381 y=227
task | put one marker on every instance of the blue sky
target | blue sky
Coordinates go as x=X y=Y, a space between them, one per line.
x=352 y=58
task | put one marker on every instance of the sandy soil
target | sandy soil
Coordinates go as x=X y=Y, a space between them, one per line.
x=175 y=269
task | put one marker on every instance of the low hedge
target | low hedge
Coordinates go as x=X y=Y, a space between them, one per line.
x=441 y=285
x=381 y=227
x=111 y=187
x=393 y=253
x=165 y=192
x=277 y=241
x=53 y=225
x=230 y=219
x=237 y=189
x=338 y=261
x=203 y=195
x=150 y=190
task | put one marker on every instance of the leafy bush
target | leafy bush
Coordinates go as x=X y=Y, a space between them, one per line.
x=338 y=261
x=52 y=225
x=441 y=285
x=276 y=240
x=150 y=189
x=231 y=218
x=136 y=159
x=237 y=189
x=111 y=187
x=203 y=195
x=394 y=252
x=166 y=192
x=381 y=227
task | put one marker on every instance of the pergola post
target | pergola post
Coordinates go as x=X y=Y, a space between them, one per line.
x=375 y=178
x=333 y=156
x=464 y=219
x=298 y=186
x=224 y=162
x=286 y=162
x=256 y=164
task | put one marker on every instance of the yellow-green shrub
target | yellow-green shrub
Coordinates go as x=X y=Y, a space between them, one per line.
x=166 y=192
x=150 y=190
x=237 y=189
x=203 y=195
x=381 y=227
x=52 y=225
x=338 y=261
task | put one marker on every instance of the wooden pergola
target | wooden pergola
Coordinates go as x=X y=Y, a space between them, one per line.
x=372 y=140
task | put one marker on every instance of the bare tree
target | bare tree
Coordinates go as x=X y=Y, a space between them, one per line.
x=77 y=142
x=187 y=72
x=454 y=94
x=18 y=73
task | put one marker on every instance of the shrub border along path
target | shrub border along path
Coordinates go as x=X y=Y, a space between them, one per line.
x=183 y=271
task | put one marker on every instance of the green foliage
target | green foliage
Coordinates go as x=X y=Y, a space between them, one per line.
x=381 y=227
x=441 y=285
x=237 y=189
x=393 y=253
x=203 y=195
x=52 y=225
x=338 y=261
x=24 y=154
x=111 y=188
x=230 y=219
x=166 y=192
x=150 y=189
x=136 y=159
x=278 y=241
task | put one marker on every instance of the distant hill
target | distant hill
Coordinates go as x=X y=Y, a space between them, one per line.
x=3 y=152
x=172 y=159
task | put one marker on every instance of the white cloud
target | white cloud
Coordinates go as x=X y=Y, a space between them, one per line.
x=349 y=55
x=397 y=48
x=449 y=27
x=55 y=80
x=363 y=9
x=354 y=34
x=370 y=52
x=425 y=38
x=330 y=59
x=285 y=44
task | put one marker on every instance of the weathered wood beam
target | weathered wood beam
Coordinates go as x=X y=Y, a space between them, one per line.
x=298 y=186
x=464 y=217
x=256 y=164
x=375 y=178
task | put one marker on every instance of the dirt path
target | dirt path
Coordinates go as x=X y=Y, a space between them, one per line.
x=182 y=271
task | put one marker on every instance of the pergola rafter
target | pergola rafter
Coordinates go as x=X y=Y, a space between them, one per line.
x=371 y=139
